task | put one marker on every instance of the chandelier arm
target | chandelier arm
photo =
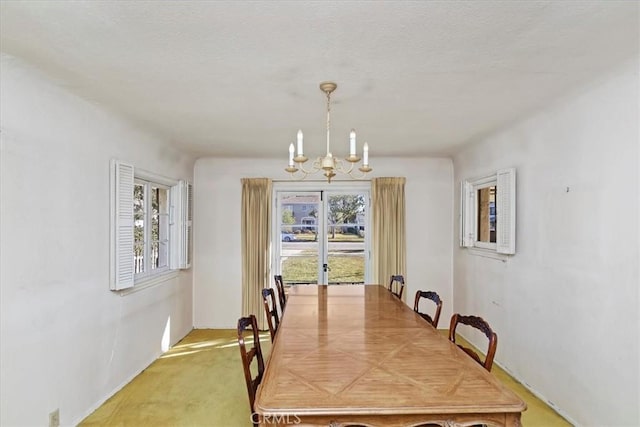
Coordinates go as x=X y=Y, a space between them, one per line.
x=352 y=173
x=301 y=173
x=362 y=175
x=315 y=167
x=297 y=176
x=340 y=167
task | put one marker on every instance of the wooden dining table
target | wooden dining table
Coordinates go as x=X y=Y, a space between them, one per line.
x=357 y=355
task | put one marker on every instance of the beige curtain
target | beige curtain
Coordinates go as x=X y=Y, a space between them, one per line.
x=256 y=242
x=388 y=230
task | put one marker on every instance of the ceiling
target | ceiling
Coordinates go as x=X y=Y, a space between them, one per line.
x=414 y=78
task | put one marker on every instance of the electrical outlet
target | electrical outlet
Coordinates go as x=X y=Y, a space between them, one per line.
x=54 y=418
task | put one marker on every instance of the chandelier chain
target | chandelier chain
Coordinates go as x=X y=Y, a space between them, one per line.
x=328 y=122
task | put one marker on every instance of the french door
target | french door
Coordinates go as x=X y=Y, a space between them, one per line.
x=322 y=236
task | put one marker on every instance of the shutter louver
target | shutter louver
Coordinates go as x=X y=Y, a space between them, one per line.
x=122 y=226
x=506 y=211
x=187 y=232
x=466 y=214
x=182 y=205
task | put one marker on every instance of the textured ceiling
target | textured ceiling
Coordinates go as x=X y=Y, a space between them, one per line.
x=239 y=78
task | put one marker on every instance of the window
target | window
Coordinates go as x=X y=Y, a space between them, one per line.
x=488 y=212
x=151 y=226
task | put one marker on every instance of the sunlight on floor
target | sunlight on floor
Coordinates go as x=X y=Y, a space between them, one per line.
x=200 y=382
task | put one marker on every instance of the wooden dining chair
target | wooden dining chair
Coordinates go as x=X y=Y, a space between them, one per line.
x=396 y=285
x=270 y=309
x=249 y=326
x=480 y=324
x=282 y=297
x=430 y=295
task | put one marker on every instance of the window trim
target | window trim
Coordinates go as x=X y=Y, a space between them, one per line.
x=150 y=281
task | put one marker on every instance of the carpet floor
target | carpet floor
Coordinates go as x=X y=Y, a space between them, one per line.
x=200 y=382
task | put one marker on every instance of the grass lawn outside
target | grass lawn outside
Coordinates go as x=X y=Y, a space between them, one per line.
x=305 y=268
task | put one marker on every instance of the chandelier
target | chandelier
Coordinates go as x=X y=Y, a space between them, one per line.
x=329 y=164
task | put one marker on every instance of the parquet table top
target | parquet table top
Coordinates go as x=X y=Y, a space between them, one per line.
x=357 y=350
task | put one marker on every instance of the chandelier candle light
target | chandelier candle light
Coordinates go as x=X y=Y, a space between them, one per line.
x=329 y=164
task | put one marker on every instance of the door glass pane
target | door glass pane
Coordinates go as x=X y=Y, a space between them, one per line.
x=345 y=234
x=299 y=242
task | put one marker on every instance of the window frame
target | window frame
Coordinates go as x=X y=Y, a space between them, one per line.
x=124 y=177
x=505 y=212
x=147 y=271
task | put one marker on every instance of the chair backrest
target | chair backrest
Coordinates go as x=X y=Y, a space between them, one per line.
x=396 y=285
x=250 y=324
x=430 y=295
x=480 y=324
x=270 y=309
x=282 y=297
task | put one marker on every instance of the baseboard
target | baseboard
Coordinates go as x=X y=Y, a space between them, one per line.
x=533 y=391
x=119 y=387
x=537 y=394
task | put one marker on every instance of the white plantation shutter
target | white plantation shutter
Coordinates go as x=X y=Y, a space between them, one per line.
x=506 y=211
x=122 y=268
x=466 y=214
x=181 y=225
x=187 y=226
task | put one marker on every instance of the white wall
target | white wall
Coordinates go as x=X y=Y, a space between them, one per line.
x=217 y=245
x=565 y=307
x=67 y=341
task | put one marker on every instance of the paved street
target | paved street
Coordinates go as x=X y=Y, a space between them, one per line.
x=309 y=246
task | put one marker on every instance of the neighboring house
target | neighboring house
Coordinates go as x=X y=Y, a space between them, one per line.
x=303 y=208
